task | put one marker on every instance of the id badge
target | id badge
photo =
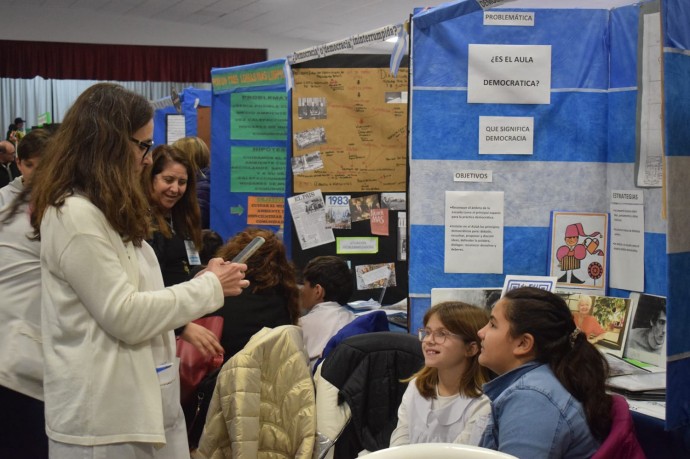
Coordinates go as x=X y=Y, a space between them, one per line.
x=192 y=253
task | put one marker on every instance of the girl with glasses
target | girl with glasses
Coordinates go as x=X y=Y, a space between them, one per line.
x=443 y=401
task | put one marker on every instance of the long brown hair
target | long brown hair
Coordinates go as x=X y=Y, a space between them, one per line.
x=577 y=364
x=92 y=154
x=185 y=214
x=465 y=320
x=268 y=267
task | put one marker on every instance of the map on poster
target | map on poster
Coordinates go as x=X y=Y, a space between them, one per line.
x=357 y=119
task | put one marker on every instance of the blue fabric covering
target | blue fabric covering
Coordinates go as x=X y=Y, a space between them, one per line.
x=623 y=42
x=677 y=377
x=677 y=88
x=584 y=40
x=525 y=252
x=160 y=124
x=656 y=441
x=367 y=323
x=678 y=311
x=188 y=99
x=417 y=309
x=675 y=19
x=621 y=139
x=222 y=200
x=675 y=23
x=592 y=119
x=572 y=128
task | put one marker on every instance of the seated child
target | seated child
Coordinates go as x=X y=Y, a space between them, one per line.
x=549 y=400
x=327 y=286
x=443 y=401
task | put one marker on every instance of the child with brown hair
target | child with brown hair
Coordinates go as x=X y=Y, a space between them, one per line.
x=444 y=402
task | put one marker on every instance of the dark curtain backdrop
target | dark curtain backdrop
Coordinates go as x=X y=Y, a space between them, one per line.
x=80 y=61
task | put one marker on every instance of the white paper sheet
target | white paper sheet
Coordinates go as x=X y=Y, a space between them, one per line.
x=509 y=74
x=309 y=215
x=627 y=240
x=474 y=232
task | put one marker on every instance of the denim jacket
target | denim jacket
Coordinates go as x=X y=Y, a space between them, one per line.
x=533 y=416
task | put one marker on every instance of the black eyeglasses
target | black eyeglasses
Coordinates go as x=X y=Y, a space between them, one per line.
x=145 y=147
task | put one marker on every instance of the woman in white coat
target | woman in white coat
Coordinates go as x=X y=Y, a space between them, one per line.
x=111 y=378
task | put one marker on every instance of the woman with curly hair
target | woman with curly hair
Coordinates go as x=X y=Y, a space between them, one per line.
x=271 y=301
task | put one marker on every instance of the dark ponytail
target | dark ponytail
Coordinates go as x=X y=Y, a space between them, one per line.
x=577 y=364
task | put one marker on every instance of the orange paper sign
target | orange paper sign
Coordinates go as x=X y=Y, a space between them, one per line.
x=265 y=210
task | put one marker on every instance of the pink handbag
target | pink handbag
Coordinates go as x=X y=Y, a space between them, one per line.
x=193 y=365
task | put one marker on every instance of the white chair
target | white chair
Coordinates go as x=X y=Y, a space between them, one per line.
x=438 y=451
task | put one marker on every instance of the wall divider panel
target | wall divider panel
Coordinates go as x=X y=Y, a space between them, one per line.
x=586 y=144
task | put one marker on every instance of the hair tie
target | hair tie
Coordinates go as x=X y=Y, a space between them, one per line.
x=573 y=336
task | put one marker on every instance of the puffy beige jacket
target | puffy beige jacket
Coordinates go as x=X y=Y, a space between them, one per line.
x=263 y=405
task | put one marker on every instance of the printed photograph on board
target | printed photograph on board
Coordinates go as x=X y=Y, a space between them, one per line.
x=360 y=207
x=603 y=319
x=647 y=336
x=305 y=163
x=311 y=108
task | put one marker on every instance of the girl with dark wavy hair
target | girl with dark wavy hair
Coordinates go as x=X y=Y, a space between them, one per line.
x=549 y=400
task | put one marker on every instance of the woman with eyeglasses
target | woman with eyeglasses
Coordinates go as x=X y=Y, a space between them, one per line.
x=111 y=383
x=443 y=402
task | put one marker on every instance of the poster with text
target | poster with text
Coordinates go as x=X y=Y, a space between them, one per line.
x=356 y=119
x=257 y=169
x=509 y=74
x=258 y=116
x=474 y=232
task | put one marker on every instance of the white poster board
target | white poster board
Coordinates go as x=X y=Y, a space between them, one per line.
x=474 y=232
x=509 y=74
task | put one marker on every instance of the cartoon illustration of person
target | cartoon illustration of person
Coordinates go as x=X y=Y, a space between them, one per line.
x=570 y=255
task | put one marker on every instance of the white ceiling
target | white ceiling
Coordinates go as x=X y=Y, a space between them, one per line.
x=309 y=22
x=319 y=21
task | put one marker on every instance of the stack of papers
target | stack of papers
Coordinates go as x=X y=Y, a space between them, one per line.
x=364 y=304
x=647 y=386
x=620 y=367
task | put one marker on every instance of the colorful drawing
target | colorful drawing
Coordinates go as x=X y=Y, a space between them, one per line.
x=573 y=252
